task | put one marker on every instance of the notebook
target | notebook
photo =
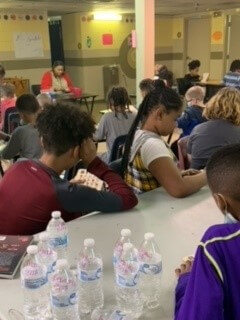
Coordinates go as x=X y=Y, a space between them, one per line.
x=205 y=77
x=12 y=251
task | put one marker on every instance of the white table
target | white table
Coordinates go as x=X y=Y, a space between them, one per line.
x=177 y=223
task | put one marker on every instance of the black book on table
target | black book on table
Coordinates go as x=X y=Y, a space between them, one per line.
x=12 y=252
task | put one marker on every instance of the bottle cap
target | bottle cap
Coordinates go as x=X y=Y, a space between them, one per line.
x=32 y=249
x=56 y=214
x=126 y=233
x=61 y=263
x=90 y=243
x=44 y=236
x=127 y=246
x=149 y=236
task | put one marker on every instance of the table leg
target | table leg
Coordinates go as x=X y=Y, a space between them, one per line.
x=92 y=105
x=86 y=104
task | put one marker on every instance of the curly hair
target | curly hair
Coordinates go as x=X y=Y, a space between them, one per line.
x=224 y=105
x=63 y=126
x=194 y=64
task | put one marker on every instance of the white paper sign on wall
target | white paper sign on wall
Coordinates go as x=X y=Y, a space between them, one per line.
x=28 y=45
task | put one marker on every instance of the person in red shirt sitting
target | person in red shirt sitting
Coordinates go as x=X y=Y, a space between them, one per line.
x=31 y=189
x=57 y=80
x=8 y=100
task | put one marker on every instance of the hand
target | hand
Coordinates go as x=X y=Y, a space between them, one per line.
x=88 y=151
x=76 y=180
x=190 y=172
x=185 y=267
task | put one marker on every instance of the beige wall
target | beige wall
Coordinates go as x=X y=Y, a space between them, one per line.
x=31 y=69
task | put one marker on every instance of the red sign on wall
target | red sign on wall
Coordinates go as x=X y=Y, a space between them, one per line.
x=107 y=39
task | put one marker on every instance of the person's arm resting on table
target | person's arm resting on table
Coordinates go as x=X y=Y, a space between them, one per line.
x=13 y=146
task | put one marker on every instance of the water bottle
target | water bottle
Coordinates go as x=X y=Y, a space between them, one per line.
x=58 y=235
x=127 y=276
x=90 y=275
x=34 y=284
x=125 y=237
x=109 y=313
x=47 y=256
x=150 y=271
x=64 y=293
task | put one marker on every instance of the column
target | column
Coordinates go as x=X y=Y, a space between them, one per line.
x=145 y=33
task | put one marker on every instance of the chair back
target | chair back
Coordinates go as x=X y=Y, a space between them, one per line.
x=184 y=161
x=11 y=120
x=117 y=149
x=36 y=89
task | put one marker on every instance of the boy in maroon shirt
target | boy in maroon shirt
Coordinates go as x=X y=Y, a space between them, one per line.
x=32 y=189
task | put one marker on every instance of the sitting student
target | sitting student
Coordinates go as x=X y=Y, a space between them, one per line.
x=36 y=186
x=167 y=77
x=232 y=78
x=8 y=100
x=117 y=122
x=193 y=76
x=223 y=127
x=25 y=141
x=148 y=162
x=44 y=100
x=192 y=115
x=211 y=290
x=145 y=86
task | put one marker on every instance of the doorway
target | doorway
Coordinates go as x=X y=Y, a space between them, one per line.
x=234 y=43
x=199 y=43
x=56 y=40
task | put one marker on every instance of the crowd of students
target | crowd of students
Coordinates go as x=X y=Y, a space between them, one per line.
x=55 y=137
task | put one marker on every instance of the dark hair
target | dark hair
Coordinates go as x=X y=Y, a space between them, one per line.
x=146 y=85
x=119 y=99
x=27 y=103
x=166 y=75
x=8 y=90
x=2 y=71
x=223 y=171
x=194 y=64
x=57 y=63
x=161 y=95
x=235 y=65
x=63 y=126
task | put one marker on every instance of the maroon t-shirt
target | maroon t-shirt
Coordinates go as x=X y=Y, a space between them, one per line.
x=29 y=192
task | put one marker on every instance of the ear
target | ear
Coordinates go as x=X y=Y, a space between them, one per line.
x=160 y=112
x=76 y=152
x=220 y=201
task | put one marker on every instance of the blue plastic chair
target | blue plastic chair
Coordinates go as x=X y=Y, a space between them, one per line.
x=117 y=149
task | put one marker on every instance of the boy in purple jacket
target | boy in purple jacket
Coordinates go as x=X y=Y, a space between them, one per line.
x=210 y=288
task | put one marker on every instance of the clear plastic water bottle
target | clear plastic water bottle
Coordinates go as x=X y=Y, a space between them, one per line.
x=47 y=256
x=109 y=313
x=58 y=235
x=64 y=292
x=118 y=249
x=34 y=284
x=90 y=276
x=150 y=271
x=127 y=276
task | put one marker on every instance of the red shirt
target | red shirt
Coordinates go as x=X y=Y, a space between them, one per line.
x=4 y=105
x=46 y=83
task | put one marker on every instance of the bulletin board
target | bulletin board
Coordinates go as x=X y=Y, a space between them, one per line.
x=28 y=45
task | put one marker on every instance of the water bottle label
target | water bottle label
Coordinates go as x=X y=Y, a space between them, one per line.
x=59 y=242
x=118 y=315
x=64 y=301
x=34 y=283
x=151 y=269
x=90 y=276
x=51 y=267
x=127 y=282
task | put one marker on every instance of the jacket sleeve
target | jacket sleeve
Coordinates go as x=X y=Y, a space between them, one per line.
x=81 y=199
x=13 y=146
x=183 y=121
x=46 y=83
x=101 y=133
x=199 y=295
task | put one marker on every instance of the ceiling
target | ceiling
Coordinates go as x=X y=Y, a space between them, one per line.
x=164 y=7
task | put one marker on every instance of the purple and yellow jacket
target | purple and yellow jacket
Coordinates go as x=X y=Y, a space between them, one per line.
x=212 y=290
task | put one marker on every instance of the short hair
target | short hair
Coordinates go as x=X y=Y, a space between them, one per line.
x=118 y=98
x=167 y=75
x=2 y=71
x=27 y=103
x=63 y=126
x=44 y=99
x=194 y=64
x=195 y=92
x=223 y=171
x=146 y=85
x=235 y=65
x=224 y=105
x=8 y=90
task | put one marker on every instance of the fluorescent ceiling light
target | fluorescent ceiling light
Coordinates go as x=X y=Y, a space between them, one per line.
x=107 y=16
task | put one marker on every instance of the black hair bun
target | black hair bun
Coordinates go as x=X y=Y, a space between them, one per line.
x=194 y=64
x=159 y=84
